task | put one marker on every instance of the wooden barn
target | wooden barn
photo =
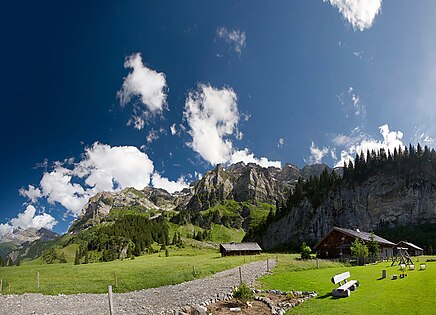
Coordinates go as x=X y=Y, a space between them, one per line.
x=412 y=249
x=337 y=243
x=235 y=249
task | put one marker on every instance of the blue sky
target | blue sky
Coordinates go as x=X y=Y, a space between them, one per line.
x=104 y=95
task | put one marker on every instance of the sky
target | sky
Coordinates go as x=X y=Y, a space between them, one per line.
x=103 y=95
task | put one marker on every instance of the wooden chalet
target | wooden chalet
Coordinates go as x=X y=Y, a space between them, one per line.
x=236 y=249
x=412 y=249
x=337 y=243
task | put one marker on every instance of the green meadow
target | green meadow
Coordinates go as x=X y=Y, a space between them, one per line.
x=147 y=271
x=414 y=294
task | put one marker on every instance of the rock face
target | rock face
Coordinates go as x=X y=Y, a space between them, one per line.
x=249 y=182
x=22 y=236
x=149 y=200
x=380 y=201
x=239 y=182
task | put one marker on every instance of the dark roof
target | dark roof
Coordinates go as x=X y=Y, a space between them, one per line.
x=365 y=236
x=410 y=245
x=241 y=246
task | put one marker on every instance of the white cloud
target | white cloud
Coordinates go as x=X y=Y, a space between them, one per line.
x=316 y=154
x=5 y=229
x=152 y=136
x=107 y=168
x=281 y=143
x=235 y=38
x=102 y=168
x=212 y=114
x=173 y=129
x=56 y=186
x=137 y=122
x=28 y=219
x=363 y=143
x=247 y=157
x=352 y=104
x=359 y=13
x=170 y=186
x=146 y=84
x=31 y=192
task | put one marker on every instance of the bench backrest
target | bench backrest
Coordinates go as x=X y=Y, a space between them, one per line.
x=340 y=277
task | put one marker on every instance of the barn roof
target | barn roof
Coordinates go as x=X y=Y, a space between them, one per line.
x=241 y=246
x=410 y=245
x=365 y=236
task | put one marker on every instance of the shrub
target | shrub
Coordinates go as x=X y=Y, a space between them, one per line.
x=243 y=293
x=305 y=251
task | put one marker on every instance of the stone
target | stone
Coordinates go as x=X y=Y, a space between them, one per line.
x=199 y=310
x=235 y=309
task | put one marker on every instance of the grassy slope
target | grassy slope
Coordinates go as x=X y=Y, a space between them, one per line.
x=412 y=295
x=143 y=272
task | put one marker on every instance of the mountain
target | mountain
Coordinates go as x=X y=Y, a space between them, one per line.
x=20 y=241
x=384 y=192
x=243 y=184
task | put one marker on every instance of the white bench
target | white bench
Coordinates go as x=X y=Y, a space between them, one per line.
x=344 y=286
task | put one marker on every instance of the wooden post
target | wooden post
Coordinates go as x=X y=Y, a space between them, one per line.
x=317 y=263
x=267 y=265
x=193 y=271
x=240 y=275
x=116 y=280
x=38 y=279
x=277 y=259
x=111 y=302
x=1 y=285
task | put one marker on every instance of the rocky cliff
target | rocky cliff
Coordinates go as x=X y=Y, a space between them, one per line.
x=380 y=201
x=239 y=182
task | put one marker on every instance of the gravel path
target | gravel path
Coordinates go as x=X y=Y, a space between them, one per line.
x=151 y=301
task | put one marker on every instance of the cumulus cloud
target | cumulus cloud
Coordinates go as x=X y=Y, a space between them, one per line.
x=56 y=186
x=102 y=168
x=316 y=154
x=280 y=143
x=107 y=168
x=212 y=114
x=359 y=13
x=28 y=219
x=247 y=157
x=146 y=84
x=363 y=143
x=32 y=192
x=170 y=186
x=235 y=38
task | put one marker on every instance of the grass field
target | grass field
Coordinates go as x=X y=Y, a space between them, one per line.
x=143 y=272
x=415 y=294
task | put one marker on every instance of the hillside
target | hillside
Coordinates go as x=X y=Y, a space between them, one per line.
x=382 y=192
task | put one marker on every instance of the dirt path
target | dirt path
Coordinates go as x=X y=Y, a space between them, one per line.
x=161 y=300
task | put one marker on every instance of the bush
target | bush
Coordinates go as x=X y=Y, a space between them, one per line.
x=305 y=251
x=243 y=293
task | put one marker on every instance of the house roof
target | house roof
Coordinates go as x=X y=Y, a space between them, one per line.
x=241 y=246
x=410 y=245
x=365 y=236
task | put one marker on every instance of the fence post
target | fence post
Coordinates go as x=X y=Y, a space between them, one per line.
x=111 y=302
x=193 y=271
x=1 y=285
x=38 y=279
x=267 y=265
x=317 y=263
x=116 y=280
x=240 y=275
